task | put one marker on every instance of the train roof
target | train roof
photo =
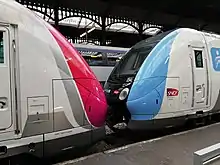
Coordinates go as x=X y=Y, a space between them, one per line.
x=104 y=49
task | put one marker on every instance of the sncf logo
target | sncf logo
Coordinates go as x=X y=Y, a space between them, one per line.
x=172 y=92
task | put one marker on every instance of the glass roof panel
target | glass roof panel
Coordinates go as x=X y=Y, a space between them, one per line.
x=151 y=31
x=86 y=23
x=121 y=27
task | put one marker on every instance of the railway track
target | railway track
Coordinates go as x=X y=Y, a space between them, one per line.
x=113 y=140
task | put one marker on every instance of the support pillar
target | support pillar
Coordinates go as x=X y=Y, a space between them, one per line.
x=56 y=14
x=103 y=33
x=140 y=30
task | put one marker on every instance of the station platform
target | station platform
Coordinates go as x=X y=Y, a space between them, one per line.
x=176 y=149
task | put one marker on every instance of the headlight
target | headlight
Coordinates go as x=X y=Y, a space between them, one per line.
x=123 y=94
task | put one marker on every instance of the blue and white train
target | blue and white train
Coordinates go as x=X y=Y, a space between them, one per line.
x=101 y=59
x=165 y=80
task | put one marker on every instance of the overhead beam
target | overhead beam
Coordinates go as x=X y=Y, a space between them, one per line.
x=79 y=22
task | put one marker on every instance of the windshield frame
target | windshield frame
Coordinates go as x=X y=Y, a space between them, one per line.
x=149 y=42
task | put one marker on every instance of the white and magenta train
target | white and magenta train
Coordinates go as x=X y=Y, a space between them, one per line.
x=50 y=100
x=166 y=79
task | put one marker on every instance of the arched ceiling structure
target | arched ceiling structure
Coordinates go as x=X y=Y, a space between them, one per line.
x=130 y=17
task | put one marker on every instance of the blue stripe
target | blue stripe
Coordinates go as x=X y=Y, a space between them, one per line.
x=146 y=95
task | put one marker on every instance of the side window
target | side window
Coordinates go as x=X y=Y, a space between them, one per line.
x=198 y=58
x=1 y=48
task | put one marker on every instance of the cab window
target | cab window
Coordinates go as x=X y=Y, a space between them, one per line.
x=198 y=58
x=1 y=48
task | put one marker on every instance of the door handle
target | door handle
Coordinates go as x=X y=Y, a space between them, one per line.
x=203 y=86
x=2 y=104
x=198 y=88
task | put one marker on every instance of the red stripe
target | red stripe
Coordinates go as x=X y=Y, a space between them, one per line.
x=90 y=89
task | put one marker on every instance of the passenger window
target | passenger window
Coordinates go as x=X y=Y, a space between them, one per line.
x=198 y=58
x=1 y=48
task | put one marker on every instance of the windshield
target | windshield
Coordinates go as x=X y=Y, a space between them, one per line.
x=132 y=61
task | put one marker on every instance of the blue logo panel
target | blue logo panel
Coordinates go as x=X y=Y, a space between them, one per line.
x=215 y=53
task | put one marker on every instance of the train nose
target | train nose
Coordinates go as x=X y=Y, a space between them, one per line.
x=90 y=90
x=94 y=100
x=145 y=98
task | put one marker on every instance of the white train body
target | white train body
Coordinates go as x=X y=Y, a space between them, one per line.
x=178 y=79
x=49 y=96
x=197 y=82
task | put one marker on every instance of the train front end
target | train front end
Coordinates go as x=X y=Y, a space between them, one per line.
x=136 y=86
x=89 y=88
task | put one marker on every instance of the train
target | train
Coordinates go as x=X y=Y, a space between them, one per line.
x=166 y=80
x=50 y=99
x=101 y=59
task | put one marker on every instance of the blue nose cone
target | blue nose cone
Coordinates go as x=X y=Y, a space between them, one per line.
x=147 y=92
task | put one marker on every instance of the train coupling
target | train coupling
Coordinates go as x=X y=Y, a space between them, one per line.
x=117 y=117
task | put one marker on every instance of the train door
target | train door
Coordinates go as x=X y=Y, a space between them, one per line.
x=7 y=85
x=199 y=75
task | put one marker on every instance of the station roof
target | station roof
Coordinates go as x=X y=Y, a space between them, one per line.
x=81 y=23
x=195 y=14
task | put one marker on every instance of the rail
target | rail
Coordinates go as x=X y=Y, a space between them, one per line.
x=207 y=156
